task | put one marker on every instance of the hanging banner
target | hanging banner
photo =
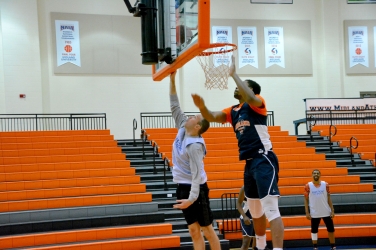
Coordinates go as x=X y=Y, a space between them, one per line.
x=67 y=42
x=247 y=46
x=222 y=34
x=358 y=45
x=274 y=46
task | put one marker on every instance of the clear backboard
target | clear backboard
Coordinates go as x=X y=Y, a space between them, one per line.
x=173 y=32
x=183 y=29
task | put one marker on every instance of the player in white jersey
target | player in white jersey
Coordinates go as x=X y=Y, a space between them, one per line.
x=188 y=151
x=318 y=205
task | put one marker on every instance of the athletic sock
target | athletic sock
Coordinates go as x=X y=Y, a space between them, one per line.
x=261 y=241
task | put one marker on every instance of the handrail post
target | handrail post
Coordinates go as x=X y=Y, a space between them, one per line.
x=351 y=148
x=155 y=151
x=331 y=135
x=134 y=129
x=70 y=124
x=165 y=162
x=143 y=139
x=312 y=123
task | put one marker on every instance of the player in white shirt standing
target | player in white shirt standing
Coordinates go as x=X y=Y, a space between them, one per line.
x=317 y=198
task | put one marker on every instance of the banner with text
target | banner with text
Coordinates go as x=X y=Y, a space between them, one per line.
x=67 y=42
x=323 y=104
x=221 y=34
x=274 y=46
x=247 y=46
x=358 y=45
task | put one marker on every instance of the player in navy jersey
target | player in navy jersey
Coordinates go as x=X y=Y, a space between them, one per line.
x=248 y=119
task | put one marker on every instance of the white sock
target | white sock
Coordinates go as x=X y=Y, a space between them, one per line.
x=261 y=241
x=277 y=249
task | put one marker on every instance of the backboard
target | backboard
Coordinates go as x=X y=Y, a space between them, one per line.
x=183 y=28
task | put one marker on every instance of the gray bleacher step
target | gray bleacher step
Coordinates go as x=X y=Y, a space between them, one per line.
x=149 y=169
x=148 y=161
x=44 y=215
x=139 y=155
x=308 y=138
x=131 y=141
x=80 y=223
x=164 y=193
x=359 y=169
x=327 y=149
x=157 y=185
x=339 y=155
x=166 y=204
x=145 y=178
x=323 y=143
x=348 y=162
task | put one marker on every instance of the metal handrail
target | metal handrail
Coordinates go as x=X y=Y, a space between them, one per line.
x=312 y=123
x=351 y=148
x=335 y=117
x=134 y=130
x=155 y=152
x=229 y=212
x=331 y=135
x=165 y=162
x=165 y=120
x=143 y=139
x=48 y=122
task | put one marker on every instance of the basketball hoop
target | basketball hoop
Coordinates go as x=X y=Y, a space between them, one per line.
x=216 y=61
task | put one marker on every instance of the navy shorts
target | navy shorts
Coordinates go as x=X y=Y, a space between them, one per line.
x=315 y=222
x=247 y=229
x=200 y=209
x=261 y=176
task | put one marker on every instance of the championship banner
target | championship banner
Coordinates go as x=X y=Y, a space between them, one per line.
x=274 y=46
x=358 y=45
x=221 y=34
x=247 y=46
x=67 y=42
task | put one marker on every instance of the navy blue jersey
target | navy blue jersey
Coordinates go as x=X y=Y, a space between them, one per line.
x=250 y=128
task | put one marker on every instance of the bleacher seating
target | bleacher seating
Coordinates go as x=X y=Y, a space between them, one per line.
x=60 y=170
x=364 y=133
x=296 y=162
x=225 y=171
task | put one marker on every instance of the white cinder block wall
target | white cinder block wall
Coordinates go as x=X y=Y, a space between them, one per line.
x=21 y=64
x=27 y=64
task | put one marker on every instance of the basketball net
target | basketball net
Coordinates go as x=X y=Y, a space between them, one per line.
x=216 y=62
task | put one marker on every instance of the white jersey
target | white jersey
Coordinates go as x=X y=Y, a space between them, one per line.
x=318 y=200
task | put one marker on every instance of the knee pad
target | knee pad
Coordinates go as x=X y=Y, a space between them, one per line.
x=255 y=208
x=314 y=236
x=270 y=207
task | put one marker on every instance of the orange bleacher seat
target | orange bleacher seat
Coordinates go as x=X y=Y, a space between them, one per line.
x=299 y=228
x=125 y=237
x=58 y=169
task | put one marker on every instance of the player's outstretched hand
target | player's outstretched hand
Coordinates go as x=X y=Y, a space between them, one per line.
x=182 y=204
x=198 y=101
x=232 y=66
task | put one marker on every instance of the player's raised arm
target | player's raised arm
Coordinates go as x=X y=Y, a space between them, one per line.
x=211 y=116
x=246 y=92
x=176 y=111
